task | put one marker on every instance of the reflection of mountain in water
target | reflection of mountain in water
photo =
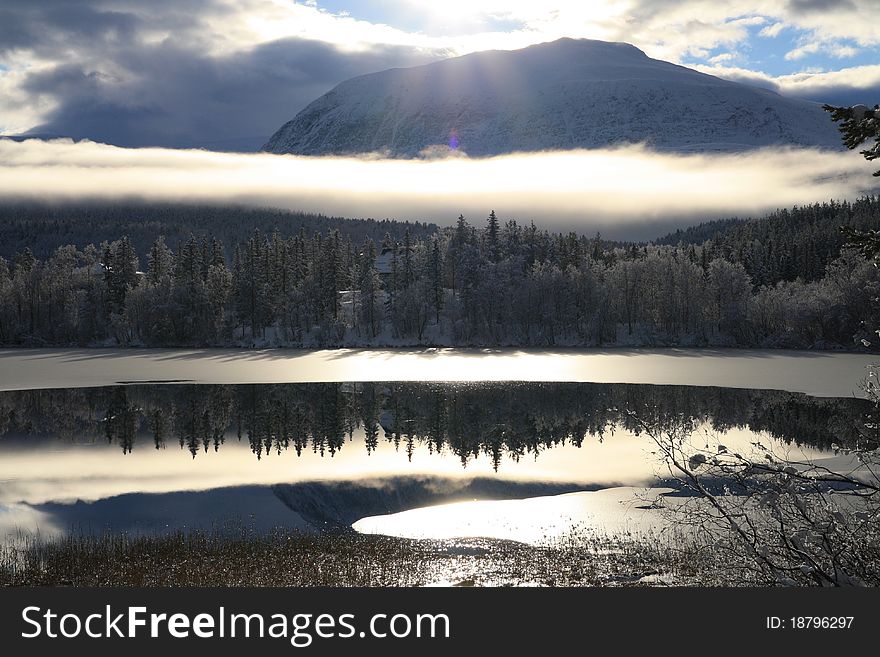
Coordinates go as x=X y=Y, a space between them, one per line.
x=254 y=508
x=340 y=504
x=307 y=506
x=468 y=420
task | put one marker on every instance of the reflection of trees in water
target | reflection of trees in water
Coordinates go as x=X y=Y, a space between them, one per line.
x=468 y=420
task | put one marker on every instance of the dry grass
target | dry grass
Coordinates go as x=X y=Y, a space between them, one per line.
x=346 y=559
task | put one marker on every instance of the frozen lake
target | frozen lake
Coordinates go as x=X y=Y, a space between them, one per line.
x=820 y=374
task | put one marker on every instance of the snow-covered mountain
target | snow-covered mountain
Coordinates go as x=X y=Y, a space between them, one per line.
x=560 y=95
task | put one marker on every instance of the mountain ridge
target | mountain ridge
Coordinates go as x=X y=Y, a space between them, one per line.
x=559 y=95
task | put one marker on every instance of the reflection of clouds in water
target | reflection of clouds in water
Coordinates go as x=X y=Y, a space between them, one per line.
x=620 y=189
x=20 y=520
x=67 y=473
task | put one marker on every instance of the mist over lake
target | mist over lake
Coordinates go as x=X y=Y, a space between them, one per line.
x=630 y=192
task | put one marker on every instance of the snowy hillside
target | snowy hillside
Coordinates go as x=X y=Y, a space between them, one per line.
x=560 y=95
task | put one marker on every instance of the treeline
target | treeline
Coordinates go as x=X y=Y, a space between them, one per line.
x=492 y=285
x=786 y=244
x=495 y=421
x=42 y=228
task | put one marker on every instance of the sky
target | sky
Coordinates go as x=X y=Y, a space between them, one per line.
x=164 y=99
x=225 y=74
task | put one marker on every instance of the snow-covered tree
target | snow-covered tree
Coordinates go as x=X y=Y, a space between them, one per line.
x=859 y=124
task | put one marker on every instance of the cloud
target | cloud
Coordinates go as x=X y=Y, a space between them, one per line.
x=859 y=84
x=848 y=86
x=627 y=192
x=722 y=57
x=805 y=7
x=842 y=51
x=802 y=51
x=180 y=98
x=226 y=74
x=831 y=48
x=176 y=74
x=772 y=31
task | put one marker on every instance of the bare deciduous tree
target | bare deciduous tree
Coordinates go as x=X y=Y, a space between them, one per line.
x=776 y=519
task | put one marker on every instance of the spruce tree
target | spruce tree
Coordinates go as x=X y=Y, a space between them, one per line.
x=370 y=287
x=159 y=261
x=436 y=279
x=858 y=125
x=455 y=251
x=492 y=230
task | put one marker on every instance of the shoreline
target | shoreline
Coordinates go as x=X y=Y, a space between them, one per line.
x=814 y=373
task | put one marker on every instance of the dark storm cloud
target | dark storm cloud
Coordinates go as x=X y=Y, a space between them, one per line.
x=177 y=97
x=818 y=6
x=115 y=81
x=49 y=27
